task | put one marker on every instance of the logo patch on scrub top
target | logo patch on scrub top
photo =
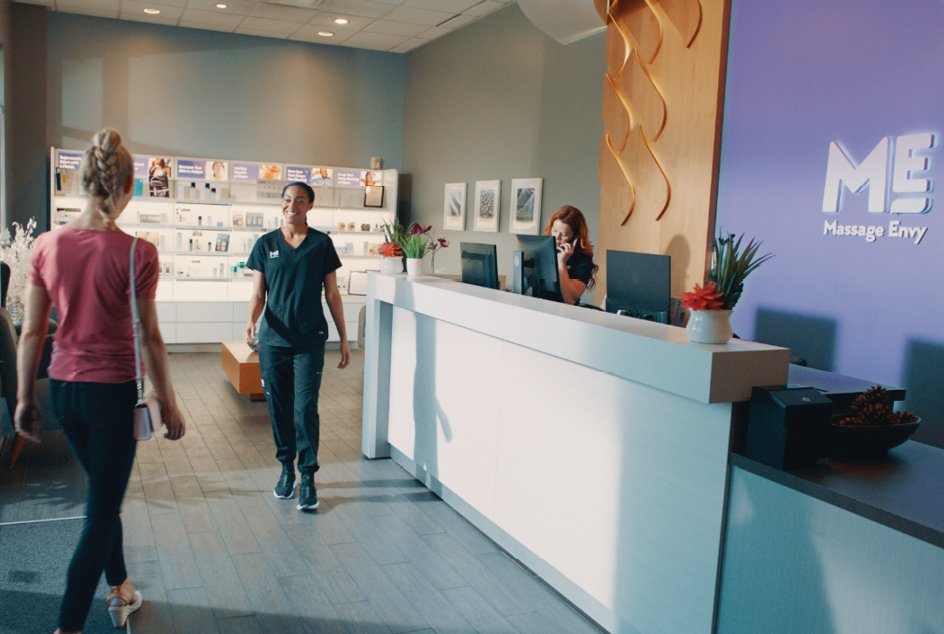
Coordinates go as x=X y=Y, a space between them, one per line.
x=273 y=254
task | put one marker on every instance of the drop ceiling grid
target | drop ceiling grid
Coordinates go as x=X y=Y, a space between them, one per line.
x=386 y=25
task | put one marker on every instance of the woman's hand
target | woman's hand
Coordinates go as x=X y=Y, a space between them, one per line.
x=564 y=251
x=174 y=420
x=345 y=355
x=251 y=333
x=26 y=420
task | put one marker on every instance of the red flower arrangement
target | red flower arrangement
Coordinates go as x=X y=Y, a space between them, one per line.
x=390 y=250
x=706 y=297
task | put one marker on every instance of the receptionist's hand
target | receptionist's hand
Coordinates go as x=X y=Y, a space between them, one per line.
x=565 y=250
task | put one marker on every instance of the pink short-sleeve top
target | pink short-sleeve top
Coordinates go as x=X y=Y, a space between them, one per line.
x=86 y=273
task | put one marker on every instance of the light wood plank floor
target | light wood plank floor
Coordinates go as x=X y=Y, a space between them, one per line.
x=214 y=551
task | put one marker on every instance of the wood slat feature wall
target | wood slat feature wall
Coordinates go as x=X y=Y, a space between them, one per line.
x=662 y=96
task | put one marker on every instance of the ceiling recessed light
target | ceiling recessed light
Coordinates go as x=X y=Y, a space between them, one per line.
x=150 y=11
x=325 y=33
x=222 y=5
x=340 y=20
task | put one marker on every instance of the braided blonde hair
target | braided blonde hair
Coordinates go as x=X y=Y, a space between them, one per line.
x=104 y=170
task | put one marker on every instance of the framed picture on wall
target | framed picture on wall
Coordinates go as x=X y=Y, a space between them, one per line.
x=525 y=205
x=374 y=196
x=454 y=207
x=487 y=206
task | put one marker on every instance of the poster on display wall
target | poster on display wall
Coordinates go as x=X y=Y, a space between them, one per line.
x=245 y=172
x=347 y=178
x=160 y=171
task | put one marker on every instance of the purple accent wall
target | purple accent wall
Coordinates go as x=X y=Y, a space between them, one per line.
x=800 y=75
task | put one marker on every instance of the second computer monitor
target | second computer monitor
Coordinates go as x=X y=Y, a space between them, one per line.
x=479 y=264
x=638 y=285
x=535 y=267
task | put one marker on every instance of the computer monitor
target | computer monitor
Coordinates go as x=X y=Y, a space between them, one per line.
x=479 y=264
x=638 y=285
x=535 y=268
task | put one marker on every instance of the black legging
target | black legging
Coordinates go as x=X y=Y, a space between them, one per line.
x=97 y=420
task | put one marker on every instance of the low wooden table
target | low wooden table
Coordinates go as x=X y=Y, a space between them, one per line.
x=241 y=365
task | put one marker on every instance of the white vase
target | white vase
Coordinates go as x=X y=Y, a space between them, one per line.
x=391 y=266
x=709 y=326
x=414 y=267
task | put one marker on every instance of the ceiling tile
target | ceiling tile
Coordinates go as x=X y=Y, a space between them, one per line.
x=394 y=28
x=326 y=18
x=159 y=4
x=357 y=7
x=314 y=38
x=285 y=14
x=376 y=41
x=451 y=25
x=456 y=21
x=484 y=8
x=264 y=26
x=93 y=11
x=150 y=19
x=409 y=45
x=447 y=6
x=418 y=16
x=397 y=25
x=78 y=6
x=234 y=7
x=217 y=18
x=205 y=27
x=309 y=33
x=133 y=9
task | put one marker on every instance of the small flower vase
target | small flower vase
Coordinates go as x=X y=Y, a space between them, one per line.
x=414 y=267
x=391 y=266
x=709 y=326
x=15 y=310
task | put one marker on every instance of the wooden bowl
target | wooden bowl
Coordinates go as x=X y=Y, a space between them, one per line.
x=869 y=440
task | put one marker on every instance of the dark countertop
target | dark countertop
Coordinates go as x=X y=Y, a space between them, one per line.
x=904 y=490
x=840 y=389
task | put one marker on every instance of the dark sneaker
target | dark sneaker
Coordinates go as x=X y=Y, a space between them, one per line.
x=307 y=495
x=285 y=488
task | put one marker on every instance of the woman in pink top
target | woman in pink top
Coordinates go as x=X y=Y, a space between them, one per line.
x=83 y=269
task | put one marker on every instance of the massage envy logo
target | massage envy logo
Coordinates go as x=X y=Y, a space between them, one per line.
x=894 y=174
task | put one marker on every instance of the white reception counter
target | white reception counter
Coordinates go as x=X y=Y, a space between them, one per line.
x=592 y=447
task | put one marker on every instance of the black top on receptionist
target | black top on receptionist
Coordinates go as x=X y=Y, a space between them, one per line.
x=294 y=279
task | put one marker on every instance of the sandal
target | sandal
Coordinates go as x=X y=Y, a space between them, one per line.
x=119 y=607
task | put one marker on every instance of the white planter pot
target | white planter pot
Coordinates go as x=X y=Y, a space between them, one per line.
x=391 y=266
x=709 y=326
x=414 y=267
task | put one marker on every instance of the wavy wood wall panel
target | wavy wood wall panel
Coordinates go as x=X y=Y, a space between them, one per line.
x=661 y=114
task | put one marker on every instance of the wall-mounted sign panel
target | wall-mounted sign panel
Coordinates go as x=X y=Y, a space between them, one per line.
x=832 y=156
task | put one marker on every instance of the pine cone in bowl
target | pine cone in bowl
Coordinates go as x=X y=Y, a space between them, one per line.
x=873 y=427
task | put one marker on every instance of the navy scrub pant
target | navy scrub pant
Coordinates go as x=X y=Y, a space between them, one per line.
x=97 y=419
x=291 y=379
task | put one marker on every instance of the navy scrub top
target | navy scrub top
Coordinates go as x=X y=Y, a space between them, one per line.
x=294 y=278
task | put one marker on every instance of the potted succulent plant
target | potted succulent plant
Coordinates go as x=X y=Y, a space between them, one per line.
x=390 y=251
x=872 y=427
x=416 y=242
x=731 y=262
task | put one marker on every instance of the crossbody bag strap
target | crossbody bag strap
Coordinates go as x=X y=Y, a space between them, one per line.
x=135 y=325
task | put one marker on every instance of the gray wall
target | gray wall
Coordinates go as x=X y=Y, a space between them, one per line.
x=201 y=93
x=6 y=35
x=28 y=188
x=498 y=99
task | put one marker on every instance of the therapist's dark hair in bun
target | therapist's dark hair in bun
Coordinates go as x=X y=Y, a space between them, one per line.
x=305 y=186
